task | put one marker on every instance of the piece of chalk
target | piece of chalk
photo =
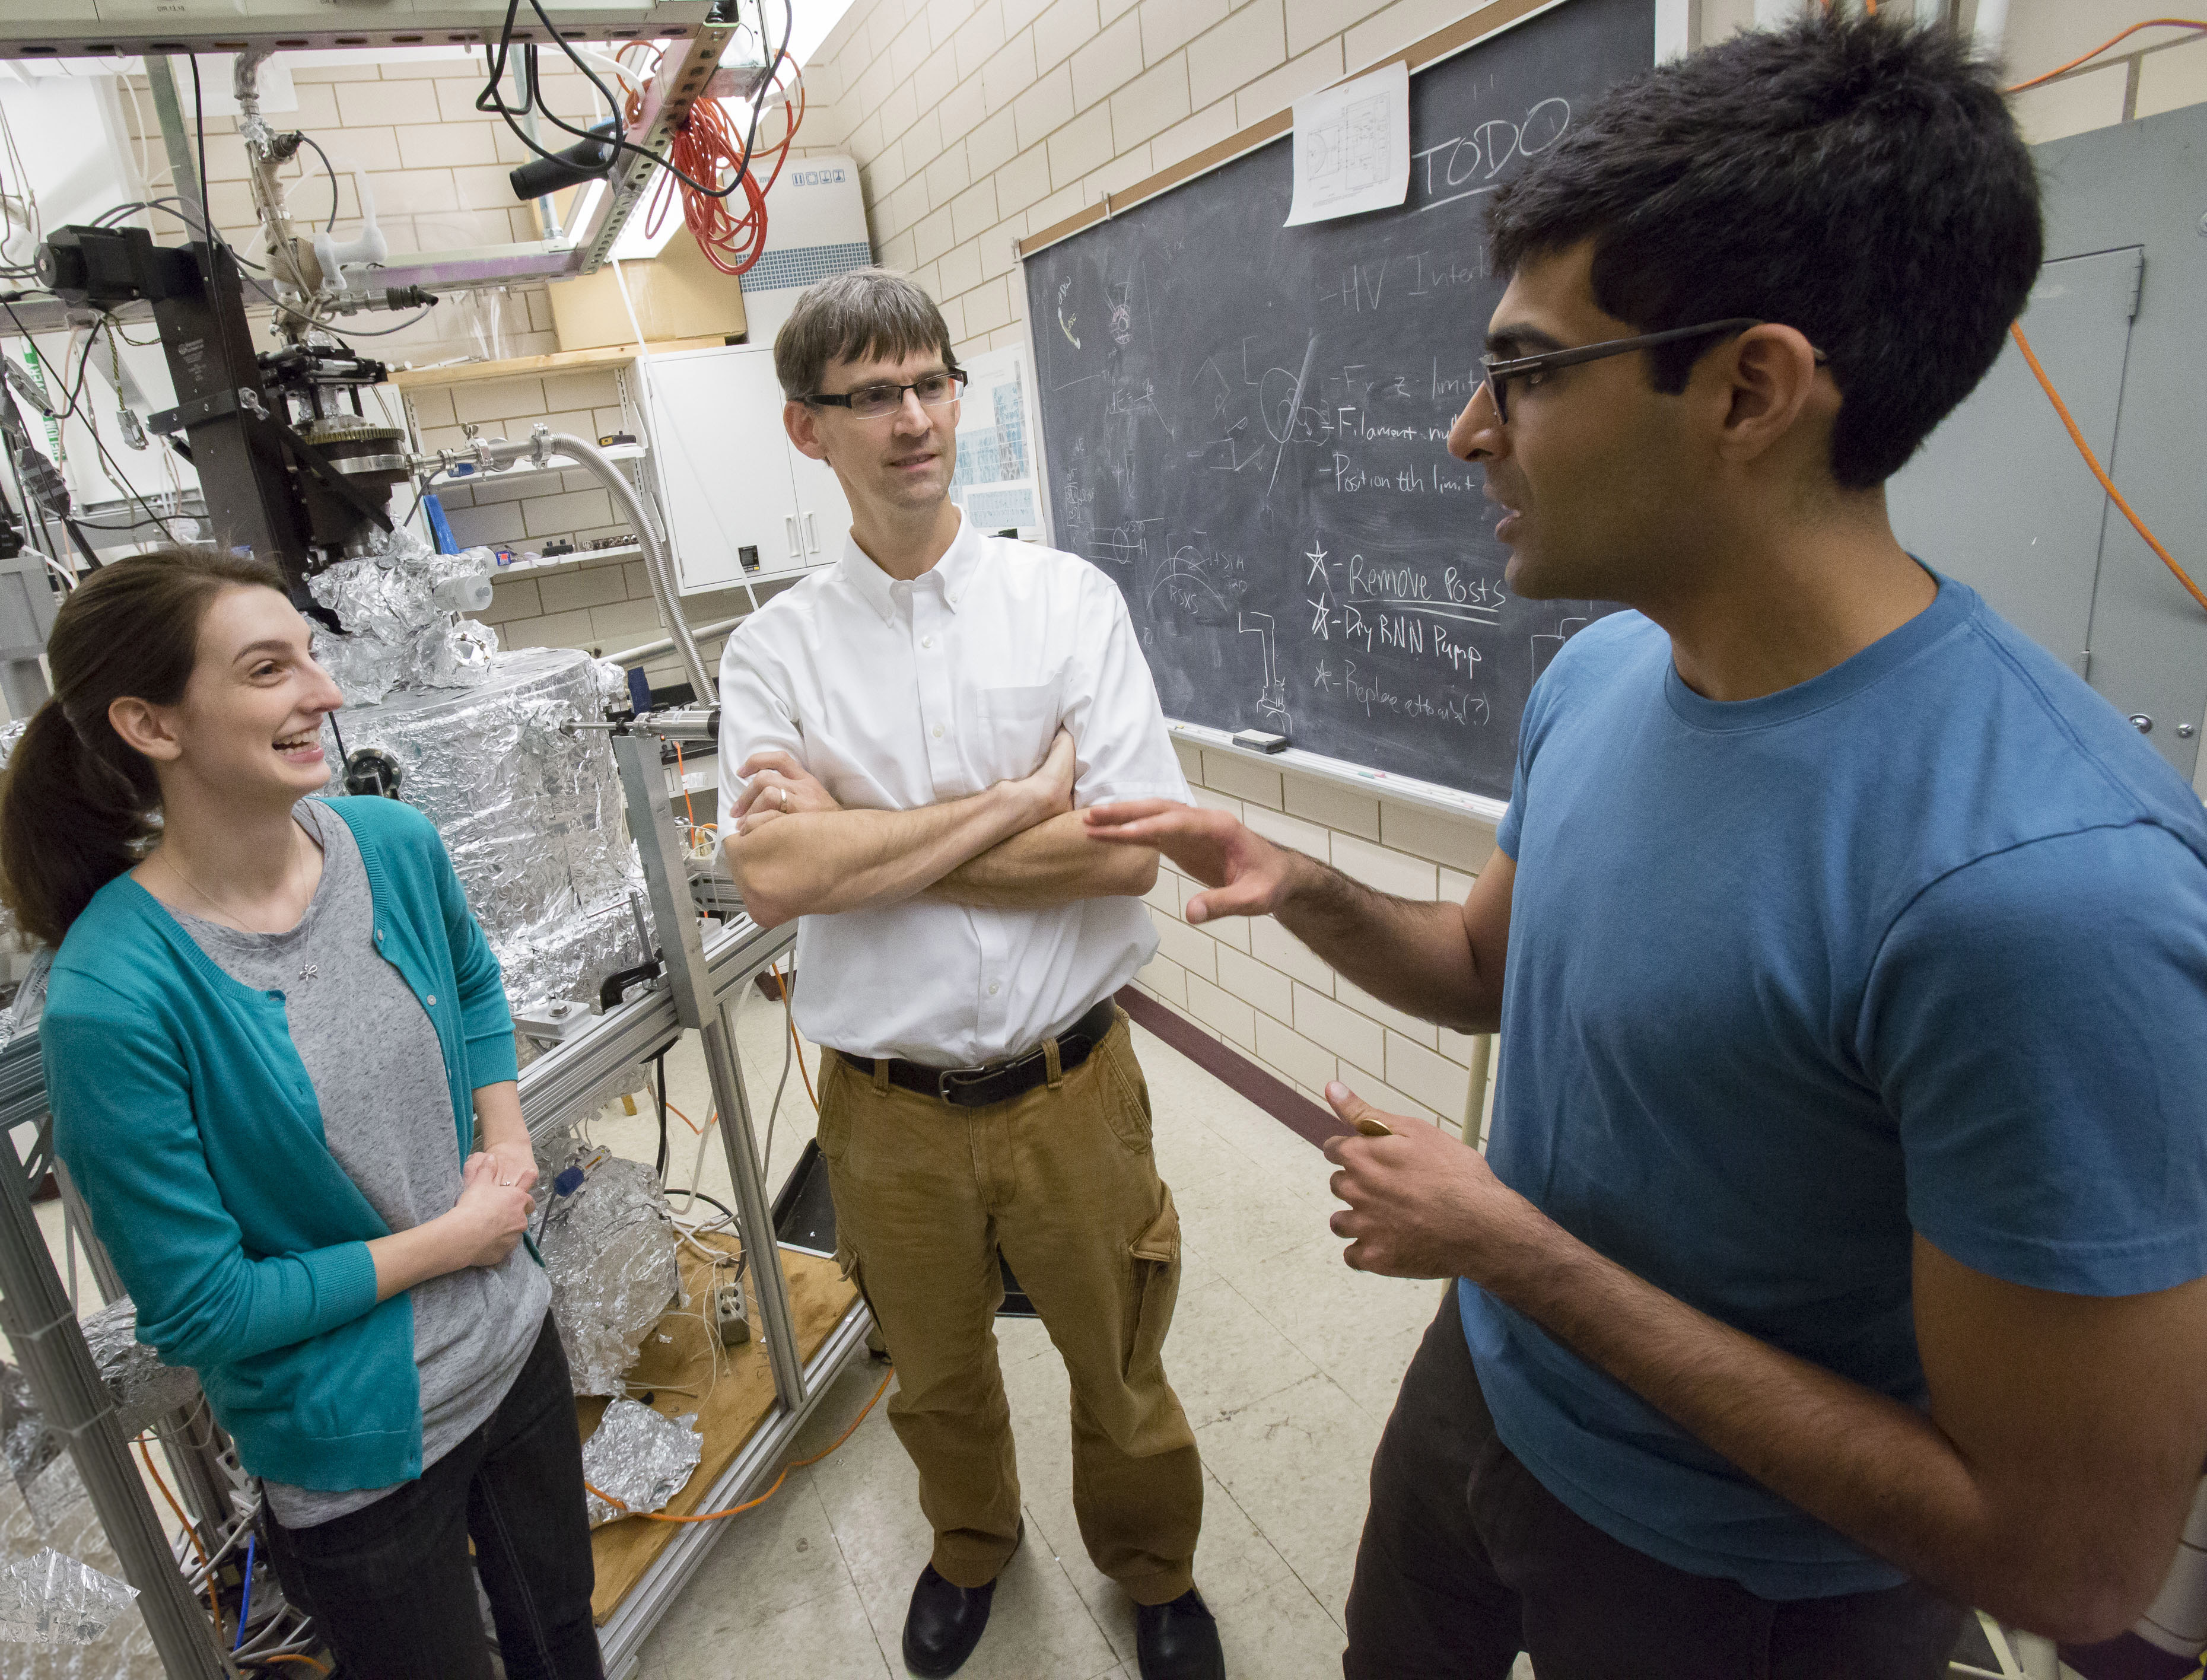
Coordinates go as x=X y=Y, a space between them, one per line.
x=1258 y=740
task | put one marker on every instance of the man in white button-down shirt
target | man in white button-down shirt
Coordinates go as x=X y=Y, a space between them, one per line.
x=915 y=729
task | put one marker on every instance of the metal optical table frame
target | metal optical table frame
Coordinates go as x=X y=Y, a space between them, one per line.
x=703 y=981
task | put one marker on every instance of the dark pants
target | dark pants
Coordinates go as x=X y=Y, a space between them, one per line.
x=1467 y=1560
x=392 y=1588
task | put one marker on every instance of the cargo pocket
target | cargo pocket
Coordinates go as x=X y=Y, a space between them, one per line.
x=1156 y=1286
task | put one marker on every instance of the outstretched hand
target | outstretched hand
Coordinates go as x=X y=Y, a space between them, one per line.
x=1245 y=874
x=1421 y=1203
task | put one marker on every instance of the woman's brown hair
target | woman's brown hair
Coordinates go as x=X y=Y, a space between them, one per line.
x=76 y=804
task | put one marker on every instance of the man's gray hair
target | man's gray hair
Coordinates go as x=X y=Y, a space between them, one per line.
x=854 y=317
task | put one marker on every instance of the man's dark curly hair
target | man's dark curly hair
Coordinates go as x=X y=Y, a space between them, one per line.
x=1859 y=180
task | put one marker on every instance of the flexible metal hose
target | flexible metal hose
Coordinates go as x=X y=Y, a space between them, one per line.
x=656 y=566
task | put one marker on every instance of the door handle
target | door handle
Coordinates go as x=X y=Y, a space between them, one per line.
x=811 y=535
x=789 y=529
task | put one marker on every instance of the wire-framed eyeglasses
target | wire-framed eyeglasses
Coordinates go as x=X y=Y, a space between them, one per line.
x=871 y=402
x=1501 y=371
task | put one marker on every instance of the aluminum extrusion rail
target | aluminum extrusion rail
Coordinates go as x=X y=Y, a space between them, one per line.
x=553 y=1083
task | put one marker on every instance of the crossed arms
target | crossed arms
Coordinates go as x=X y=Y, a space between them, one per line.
x=2050 y=1482
x=1017 y=845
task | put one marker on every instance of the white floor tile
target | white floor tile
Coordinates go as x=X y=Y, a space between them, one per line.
x=1298 y=1462
x=1359 y=1328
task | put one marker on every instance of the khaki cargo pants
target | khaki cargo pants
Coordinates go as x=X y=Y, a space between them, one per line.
x=1063 y=1180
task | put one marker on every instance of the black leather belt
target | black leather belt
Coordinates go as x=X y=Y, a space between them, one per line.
x=998 y=1081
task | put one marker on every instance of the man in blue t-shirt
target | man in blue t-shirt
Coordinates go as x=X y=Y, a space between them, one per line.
x=1838 y=1259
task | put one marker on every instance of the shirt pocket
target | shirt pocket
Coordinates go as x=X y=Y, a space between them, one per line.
x=1014 y=728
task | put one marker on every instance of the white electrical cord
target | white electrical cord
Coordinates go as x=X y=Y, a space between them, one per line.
x=67 y=577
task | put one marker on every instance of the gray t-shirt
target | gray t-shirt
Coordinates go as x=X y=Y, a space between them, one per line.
x=378 y=1075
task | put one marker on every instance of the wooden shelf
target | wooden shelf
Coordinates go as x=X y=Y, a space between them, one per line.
x=520 y=367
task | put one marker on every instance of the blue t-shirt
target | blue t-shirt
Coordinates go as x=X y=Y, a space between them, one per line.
x=1919 y=944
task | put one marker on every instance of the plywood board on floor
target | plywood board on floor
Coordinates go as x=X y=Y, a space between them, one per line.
x=685 y=1369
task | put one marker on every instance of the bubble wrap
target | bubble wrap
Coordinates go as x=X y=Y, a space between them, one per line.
x=144 y=1389
x=640 y=1456
x=609 y=1252
x=395 y=635
x=533 y=817
x=50 y=1600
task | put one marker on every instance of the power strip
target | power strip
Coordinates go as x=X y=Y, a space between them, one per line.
x=728 y=1314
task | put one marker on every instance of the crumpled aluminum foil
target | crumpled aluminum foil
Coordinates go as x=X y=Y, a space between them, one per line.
x=609 y=1252
x=531 y=813
x=25 y=1445
x=144 y=1389
x=397 y=632
x=11 y=937
x=47 y=1599
x=642 y=1457
x=25 y=1009
x=56 y=1511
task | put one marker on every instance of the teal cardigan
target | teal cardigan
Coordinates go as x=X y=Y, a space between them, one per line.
x=186 y=1117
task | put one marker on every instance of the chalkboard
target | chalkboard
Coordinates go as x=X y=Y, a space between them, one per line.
x=1245 y=425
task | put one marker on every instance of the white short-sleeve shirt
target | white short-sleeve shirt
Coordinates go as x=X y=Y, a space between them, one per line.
x=899 y=694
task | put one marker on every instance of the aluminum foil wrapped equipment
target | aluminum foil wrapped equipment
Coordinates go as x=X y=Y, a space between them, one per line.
x=401 y=608
x=531 y=809
x=642 y=1457
x=609 y=1249
x=47 y=1599
x=144 y=1389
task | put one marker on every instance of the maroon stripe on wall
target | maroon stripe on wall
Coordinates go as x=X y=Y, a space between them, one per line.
x=1277 y=1098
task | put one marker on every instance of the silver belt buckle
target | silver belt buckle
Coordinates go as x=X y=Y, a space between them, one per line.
x=943 y=1078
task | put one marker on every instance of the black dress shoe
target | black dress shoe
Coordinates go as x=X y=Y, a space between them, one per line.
x=946 y=1621
x=1178 y=1640
x=944 y=1625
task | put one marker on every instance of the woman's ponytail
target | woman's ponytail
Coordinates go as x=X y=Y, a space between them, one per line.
x=77 y=806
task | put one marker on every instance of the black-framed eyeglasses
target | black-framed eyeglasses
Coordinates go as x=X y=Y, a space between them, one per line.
x=871 y=402
x=1500 y=372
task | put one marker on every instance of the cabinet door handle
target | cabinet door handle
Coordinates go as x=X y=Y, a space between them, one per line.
x=811 y=535
x=789 y=528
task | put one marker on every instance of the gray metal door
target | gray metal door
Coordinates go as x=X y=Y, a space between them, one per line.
x=1998 y=496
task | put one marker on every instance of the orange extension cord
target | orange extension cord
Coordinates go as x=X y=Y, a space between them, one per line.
x=2077 y=437
x=749 y=1504
x=2085 y=58
x=2023 y=343
x=190 y=1532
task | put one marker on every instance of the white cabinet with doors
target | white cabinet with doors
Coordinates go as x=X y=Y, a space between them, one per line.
x=742 y=504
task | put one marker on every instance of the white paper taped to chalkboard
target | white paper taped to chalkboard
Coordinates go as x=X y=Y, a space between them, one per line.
x=1353 y=147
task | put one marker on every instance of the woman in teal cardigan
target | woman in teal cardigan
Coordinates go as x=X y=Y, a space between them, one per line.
x=282 y=1074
